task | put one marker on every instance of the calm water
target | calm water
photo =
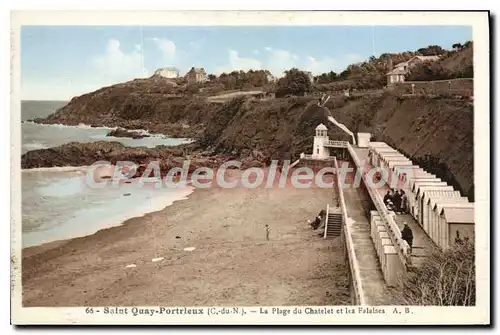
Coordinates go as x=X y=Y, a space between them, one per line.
x=57 y=203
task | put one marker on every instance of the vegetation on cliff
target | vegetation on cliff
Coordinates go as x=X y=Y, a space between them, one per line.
x=370 y=74
x=445 y=279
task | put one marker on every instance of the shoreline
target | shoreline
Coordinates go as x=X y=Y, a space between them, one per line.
x=232 y=263
x=49 y=245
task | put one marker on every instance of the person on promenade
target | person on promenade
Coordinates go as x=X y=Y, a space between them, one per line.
x=397 y=201
x=404 y=202
x=407 y=235
x=387 y=197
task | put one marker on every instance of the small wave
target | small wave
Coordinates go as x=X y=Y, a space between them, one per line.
x=35 y=146
x=60 y=125
x=57 y=169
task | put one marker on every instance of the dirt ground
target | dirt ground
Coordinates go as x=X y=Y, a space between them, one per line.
x=232 y=265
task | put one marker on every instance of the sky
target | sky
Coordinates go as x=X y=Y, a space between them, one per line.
x=60 y=62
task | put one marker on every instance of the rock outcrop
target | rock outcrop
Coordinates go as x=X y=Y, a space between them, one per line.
x=120 y=132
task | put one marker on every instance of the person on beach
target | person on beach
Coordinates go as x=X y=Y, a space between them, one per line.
x=407 y=235
x=268 y=230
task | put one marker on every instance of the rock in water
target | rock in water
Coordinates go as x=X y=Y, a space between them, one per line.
x=120 y=132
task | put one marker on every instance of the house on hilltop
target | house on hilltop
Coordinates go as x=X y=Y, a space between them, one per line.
x=397 y=75
x=167 y=72
x=196 y=75
x=310 y=75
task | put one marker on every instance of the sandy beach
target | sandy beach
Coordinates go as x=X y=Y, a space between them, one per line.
x=232 y=263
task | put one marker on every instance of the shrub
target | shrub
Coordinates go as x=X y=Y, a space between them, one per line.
x=445 y=278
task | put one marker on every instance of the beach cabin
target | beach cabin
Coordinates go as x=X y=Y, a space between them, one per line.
x=413 y=195
x=434 y=231
x=384 y=160
x=432 y=198
x=419 y=199
x=453 y=218
x=408 y=187
x=424 y=209
x=400 y=173
x=405 y=173
x=393 y=180
x=375 y=154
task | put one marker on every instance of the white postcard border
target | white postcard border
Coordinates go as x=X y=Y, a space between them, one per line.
x=480 y=314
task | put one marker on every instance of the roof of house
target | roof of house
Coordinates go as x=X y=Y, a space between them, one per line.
x=396 y=71
x=172 y=68
x=421 y=183
x=438 y=208
x=321 y=127
x=378 y=144
x=437 y=196
x=438 y=186
x=439 y=202
x=196 y=70
x=427 y=58
x=458 y=215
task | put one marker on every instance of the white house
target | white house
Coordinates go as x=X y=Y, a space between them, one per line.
x=397 y=75
x=168 y=72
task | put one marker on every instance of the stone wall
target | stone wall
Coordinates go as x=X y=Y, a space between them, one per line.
x=462 y=87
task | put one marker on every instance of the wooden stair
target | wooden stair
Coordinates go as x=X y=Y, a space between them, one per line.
x=333 y=226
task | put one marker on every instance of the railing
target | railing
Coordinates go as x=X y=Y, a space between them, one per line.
x=314 y=158
x=339 y=144
x=394 y=232
x=326 y=219
x=353 y=260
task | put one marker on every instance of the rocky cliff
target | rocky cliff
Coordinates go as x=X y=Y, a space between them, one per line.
x=436 y=132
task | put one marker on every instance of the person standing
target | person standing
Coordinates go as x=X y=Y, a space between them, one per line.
x=404 y=202
x=397 y=201
x=407 y=235
x=268 y=231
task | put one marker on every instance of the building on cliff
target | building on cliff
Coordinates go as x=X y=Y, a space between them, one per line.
x=196 y=75
x=397 y=75
x=167 y=72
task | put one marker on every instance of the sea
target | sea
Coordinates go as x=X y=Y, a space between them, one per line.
x=58 y=204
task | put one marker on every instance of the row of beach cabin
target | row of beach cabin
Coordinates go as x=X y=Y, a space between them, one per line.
x=439 y=209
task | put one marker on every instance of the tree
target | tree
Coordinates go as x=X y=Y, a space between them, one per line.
x=212 y=77
x=457 y=46
x=294 y=82
x=431 y=50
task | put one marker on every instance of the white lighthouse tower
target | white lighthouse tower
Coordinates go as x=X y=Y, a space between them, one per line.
x=321 y=138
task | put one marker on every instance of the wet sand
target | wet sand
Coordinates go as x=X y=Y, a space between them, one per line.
x=232 y=265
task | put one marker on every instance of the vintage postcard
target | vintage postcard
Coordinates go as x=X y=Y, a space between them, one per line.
x=319 y=168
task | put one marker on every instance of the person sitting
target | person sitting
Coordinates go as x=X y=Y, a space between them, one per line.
x=390 y=206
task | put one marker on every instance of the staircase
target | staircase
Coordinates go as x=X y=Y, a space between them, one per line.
x=333 y=226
